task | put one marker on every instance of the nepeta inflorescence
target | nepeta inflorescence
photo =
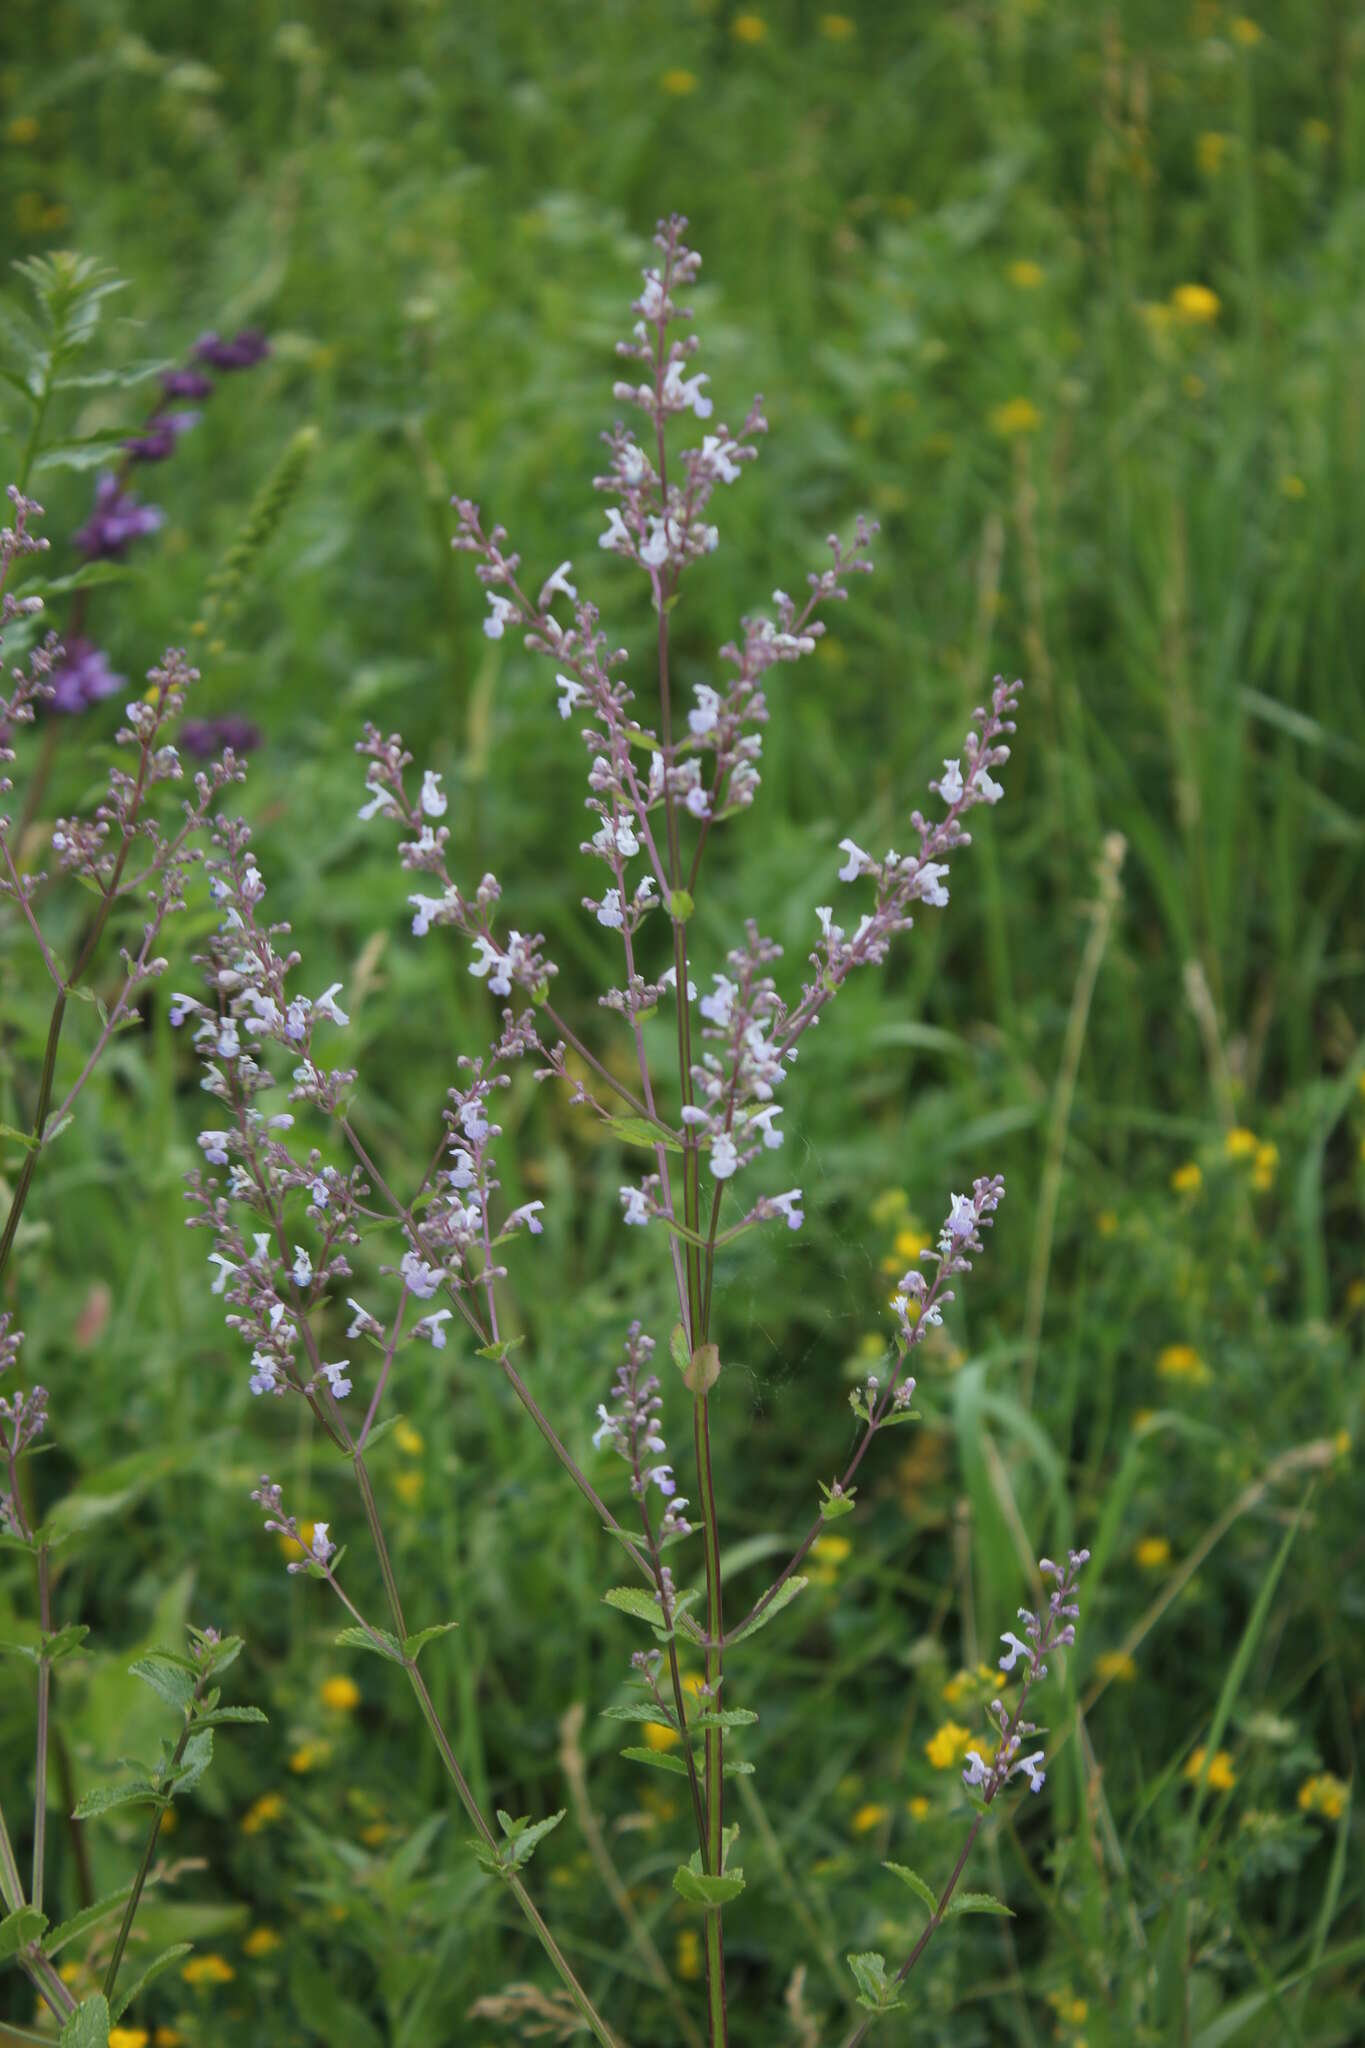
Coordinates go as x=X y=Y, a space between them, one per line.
x=659 y=785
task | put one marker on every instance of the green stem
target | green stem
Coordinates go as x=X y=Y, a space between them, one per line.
x=466 y=1797
x=715 y=1737
x=135 y=1895
x=44 y=1708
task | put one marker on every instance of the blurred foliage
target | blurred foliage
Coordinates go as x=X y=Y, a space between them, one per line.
x=1072 y=299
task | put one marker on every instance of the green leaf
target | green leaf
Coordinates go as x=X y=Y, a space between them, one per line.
x=657 y=1759
x=154 y=1969
x=376 y=1435
x=917 y=1885
x=523 y=1838
x=195 y=1761
x=221 y=1715
x=81 y=1923
x=783 y=1597
x=643 y=1606
x=638 y=1130
x=167 y=1677
x=680 y=906
x=414 y=1645
x=88 y=2026
x=678 y=1348
x=65 y=1642
x=875 y=1990
x=104 y=1798
x=20 y=1928
x=642 y=1710
x=835 y=1504
x=975 y=1902
x=724 y=1717
x=18 y=1137
x=707 y=1891
x=497 y=1352
x=360 y=1639
x=91 y=451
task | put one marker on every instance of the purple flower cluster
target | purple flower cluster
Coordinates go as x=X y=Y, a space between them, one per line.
x=1054 y=1628
x=83 y=677
x=116 y=520
x=243 y=352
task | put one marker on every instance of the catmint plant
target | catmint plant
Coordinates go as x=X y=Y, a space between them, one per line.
x=135 y=864
x=665 y=779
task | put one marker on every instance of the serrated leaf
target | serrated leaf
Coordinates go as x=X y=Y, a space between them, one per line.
x=641 y=1710
x=875 y=1990
x=834 y=1504
x=168 y=1679
x=222 y=1715
x=388 y=1647
x=414 y=1645
x=635 y=1601
x=724 y=1717
x=154 y=1969
x=104 y=1798
x=657 y=1759
x=197 y=1757
x=528 y=1839
x=707 y=1891
x=81 y=1923
x=783 y=1597
x=18 y=1929
x=65 y=1642
x=18 y=1137
x=376 y=1435
x=88 y=2026
x=497 y=1352
x=976 y=1902
x=916 y=1883
x=638 y=1130
x=92 y=452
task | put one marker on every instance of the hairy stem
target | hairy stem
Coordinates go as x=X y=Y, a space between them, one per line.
x=139 y=1882
x=44 y=1707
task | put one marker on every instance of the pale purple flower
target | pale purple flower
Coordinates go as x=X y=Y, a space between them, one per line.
x=243 y=352
x=558 y=582
x=961 y=1217
x=950 y=783
x=790 y=1207
x=724 y=1157
x=322 y=1545
x=422 y=1279
x=609 y=910
x=528 y=1214
x=117 y=520
x=1016 y=1650
x=432 y=1328
x=302 y=1270
x=158 y=438
x=433 y=801
x=214 y=1146
x=570 y=693
x=857 y=861
x=82 y=677
x=501 y=609
x=636 y=1207
x=336 y=1377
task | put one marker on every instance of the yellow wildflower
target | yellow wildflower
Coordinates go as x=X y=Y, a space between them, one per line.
x=749 y=28
x=208 y=1969
x=918 y=1807
x=1263 y=1167
x=659 y=1736
x=261 y=1941
x=1116 y=1665
x=1069 y=2009
x=1152 y=1552
x=408 y=1487
x=409 y=1440
x=1194 y=305
x=687 y=1955
x=678 y=82
x=911 y=1242
x=22 y=130
x=889 y=1204
x=870 y=1345
x=1316 y=131
x=1143 y=1417
x=1341 y=1443
x=693 y=1684
x=833 y=1549
x=1187 y=1179
x=837 y=28
x=1241 y=1143
x=1323 y=1794
x=949 y=1745
x=1221 y=1775
x=374 y=1833
x=868 y=1817
x=1026 y=274
x=262 y=1812
x=308 y=1756
x=1209 y=151
x=1294 y=487
x=340 y=1693
x=167 y=2037
x=1017 y=416
x=1245 y=31
x=1106 y=1223
x=1182 y=1362
x=128 y=2037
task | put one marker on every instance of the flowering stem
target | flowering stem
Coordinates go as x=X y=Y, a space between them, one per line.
x=135 y=1895
x=715 y=1736
x=457 y=1777
x=44 y=1704
x=935 y=1922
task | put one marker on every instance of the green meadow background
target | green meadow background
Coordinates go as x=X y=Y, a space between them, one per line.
x=1070 y=297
